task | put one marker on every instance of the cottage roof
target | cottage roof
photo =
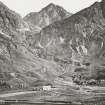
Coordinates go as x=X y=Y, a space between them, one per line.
x=41 y=83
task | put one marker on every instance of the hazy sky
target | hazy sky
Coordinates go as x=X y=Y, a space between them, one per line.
x=26 y=6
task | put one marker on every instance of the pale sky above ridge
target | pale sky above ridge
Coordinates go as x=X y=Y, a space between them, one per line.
x=23 y=7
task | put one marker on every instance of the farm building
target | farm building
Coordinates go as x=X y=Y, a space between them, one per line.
x=42 y=85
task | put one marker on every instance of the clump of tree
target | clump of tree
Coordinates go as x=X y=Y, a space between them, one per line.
x=99 y=75
x=4 y=85
x=80 y=76
x=89 y=76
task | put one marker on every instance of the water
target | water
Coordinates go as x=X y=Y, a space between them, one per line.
x=54 y=103
x=42 y=103
x=24 y=102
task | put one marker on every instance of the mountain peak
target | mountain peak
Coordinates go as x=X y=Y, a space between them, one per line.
x=51 y=5
x=48 y=15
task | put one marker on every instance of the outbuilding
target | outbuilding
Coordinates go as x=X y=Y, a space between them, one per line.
x=42 y=85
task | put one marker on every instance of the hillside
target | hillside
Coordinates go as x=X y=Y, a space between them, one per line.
x=67 y=48
x=19 y=68
x=79 y=38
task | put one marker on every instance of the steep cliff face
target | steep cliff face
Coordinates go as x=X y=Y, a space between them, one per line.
x=47 y=15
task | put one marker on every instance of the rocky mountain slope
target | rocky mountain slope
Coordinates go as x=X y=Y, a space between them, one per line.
x=79 y=38
x=38 y=20
x=19 y=68
x=66 y=46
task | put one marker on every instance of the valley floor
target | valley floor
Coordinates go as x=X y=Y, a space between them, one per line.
x=62 y=95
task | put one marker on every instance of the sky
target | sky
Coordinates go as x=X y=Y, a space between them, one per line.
x=23 y=7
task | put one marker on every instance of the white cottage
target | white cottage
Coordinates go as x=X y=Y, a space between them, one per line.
x=48 y=88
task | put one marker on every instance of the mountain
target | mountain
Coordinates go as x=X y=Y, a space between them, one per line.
x=19 y=68
x=46 y=16
x=78 y=38
x=76 y=30
x=56 y=48
x=38 y=20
